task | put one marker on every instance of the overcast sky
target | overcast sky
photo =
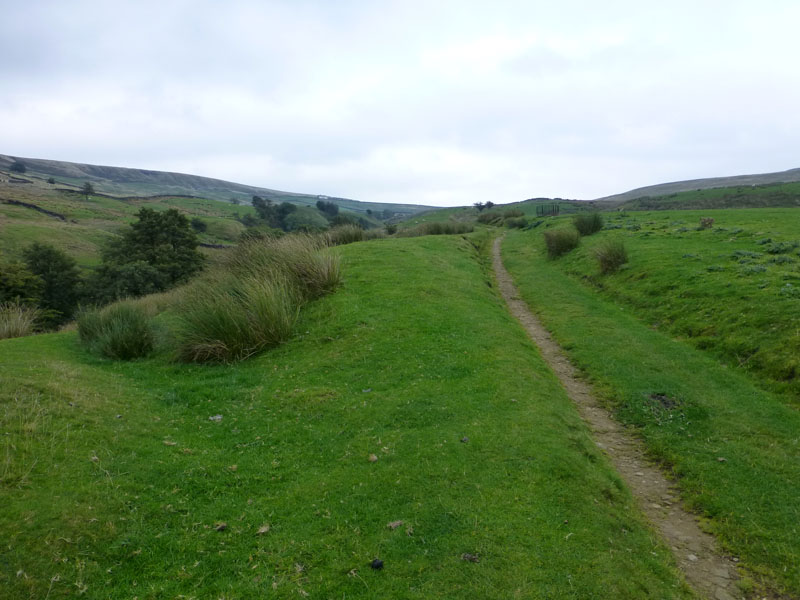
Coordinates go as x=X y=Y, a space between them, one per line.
x=431 y=102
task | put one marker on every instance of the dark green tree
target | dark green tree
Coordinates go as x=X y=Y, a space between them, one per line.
x=329 y=209
x=51 y=180
x=17 y=283
x=87 y=189
x=163 y=240
x=61 y=281
x=112 y=282
x=18 y=167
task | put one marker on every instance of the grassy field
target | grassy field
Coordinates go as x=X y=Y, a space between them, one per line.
x=732 y=289
x=408 y=395
x=732 y=445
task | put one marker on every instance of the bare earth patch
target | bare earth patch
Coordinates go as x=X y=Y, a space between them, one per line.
x=709 y=572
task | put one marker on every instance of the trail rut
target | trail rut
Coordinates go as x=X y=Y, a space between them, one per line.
x=706 y=570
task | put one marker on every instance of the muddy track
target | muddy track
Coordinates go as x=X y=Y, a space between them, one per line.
x=706 y=570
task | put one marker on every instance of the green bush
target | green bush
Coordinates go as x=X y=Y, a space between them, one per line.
x=611 y=255
x=561 y=241
x=516 y=222
x=232 y=318
x=17 y=320
x=588 y=223
x=122 y=331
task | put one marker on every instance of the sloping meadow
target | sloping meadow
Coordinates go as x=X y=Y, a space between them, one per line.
x=408 y=419
x=730 y=442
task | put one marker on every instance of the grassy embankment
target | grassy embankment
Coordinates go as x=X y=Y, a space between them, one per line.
x=732 y=444
x=117 y=477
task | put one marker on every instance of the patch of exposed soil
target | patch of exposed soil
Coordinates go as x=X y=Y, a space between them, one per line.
x=706 y=570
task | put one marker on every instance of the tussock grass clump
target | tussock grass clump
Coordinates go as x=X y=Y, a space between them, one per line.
x=17 y=320
x=302 y=259
x=588 y=223
x=121 y=331
x=611 y=255
x=232 y=318
x=561 y=241
x=253 y=301
x=345 y=234
x=438 y=228
x=516 y=222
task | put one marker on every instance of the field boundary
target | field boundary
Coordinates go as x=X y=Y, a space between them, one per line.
x=706 y=570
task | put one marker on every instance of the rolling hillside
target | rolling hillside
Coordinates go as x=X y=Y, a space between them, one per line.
x=665 y=189
x=120 y=181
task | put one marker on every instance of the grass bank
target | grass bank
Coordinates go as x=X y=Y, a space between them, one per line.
x=409 y=395
x=732 y=446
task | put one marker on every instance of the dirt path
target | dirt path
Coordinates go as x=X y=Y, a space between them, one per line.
x=706 y=570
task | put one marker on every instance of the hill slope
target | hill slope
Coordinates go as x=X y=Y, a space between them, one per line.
x=664 y=189
x=142 y=182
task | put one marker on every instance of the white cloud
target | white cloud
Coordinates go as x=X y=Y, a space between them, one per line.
x=436 y=103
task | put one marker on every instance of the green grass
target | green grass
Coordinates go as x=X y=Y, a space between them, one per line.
x=732 y=446
x=733 y=290
x=116 y=478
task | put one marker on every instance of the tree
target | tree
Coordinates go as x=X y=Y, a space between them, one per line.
x=112 y=282
x=61 y=281
x=164 y=241
x=235 y=201
x=271 y=214
x=489 y=204
x=87 y=189
x=51 y=180
x=329 y=209
x=18 y=166
x=18 y=284
x=479 y=205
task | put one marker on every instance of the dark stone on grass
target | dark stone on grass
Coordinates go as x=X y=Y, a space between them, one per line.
x=464 y=440
x=376 y=564
x=470 y=557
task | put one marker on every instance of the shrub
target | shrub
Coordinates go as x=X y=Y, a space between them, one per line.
x=122 y=331
x=611 y=255
x=516 y=222
x=16 y=320
x=588 y=223
x=345 y=234
x=233 y=318
x=391 y=228
x=561 y=241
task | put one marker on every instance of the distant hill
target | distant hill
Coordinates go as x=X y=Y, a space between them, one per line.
x=665 y=189
x=119 y=181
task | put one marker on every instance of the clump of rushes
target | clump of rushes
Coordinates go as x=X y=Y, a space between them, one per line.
x=17 y=320
x=438 y=228
x=561 y=241
x=344 y=234
x=231 y=318
x=122 y=330
x=611 y=255
x=252 y=303
x=300 y=258
x=588 y=223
